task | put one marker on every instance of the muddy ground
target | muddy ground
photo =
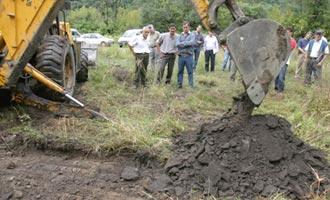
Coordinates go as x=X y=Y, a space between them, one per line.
x=233 y=156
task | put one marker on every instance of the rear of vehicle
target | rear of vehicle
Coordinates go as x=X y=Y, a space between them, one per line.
x=127 y=36
x=95 y=39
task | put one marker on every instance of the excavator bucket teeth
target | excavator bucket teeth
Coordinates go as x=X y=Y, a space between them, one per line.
x=259 y=49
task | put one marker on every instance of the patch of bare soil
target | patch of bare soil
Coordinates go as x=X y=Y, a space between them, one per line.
x=48 y=175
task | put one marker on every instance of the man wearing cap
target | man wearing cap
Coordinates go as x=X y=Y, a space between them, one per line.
x=140 y=48
x=316 y=53
x=153 y=37
x=167 y=53
x=302 y=43
x=185 y=44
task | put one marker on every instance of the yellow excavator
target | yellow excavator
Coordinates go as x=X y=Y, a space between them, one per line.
x=39 y=61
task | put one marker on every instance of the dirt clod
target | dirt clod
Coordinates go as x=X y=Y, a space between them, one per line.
x=11 y=165
x=18 y=194
x=7 y=196
x=121 y=74
x=249 y=157
x=130 y=174
x=159 y=184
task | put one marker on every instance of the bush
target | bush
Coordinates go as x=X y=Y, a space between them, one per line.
x=87 y=20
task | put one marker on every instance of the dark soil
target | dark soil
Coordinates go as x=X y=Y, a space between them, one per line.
x=48 y=175
x=250 y=158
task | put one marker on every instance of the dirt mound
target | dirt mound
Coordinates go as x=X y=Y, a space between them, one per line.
x=121 y=74
x=256 y=157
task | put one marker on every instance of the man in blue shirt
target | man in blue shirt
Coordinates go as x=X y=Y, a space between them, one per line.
x=185 y=44
x=302 y=43
x=198 y=45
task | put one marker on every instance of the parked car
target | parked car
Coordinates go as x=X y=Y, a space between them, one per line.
x=95 y=39
x=75 y=34
x=128 y=35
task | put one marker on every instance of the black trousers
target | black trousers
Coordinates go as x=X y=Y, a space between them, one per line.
x=313 y=70
x=141 y=65
x=209 y=55
x=169 y=60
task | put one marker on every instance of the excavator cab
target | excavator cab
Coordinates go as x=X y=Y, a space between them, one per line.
x=258 y=47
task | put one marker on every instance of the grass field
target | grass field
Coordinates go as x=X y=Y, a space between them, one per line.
x=145 y=119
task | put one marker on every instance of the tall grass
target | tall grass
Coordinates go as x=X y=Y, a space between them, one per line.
x=146 y=118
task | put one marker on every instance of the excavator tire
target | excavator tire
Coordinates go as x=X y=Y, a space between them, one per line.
x=82 y=75
x=55 y=59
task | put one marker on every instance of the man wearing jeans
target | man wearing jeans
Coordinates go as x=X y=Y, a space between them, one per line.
x=153 y=37
x=211 y=47
x=316 y=53
x=185 y=44
x=226 y=58
x=280 y=79
x=199 y=44
x=167 y=50
x=140 y=49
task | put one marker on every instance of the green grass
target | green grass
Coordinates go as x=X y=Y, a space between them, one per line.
x=146 y=119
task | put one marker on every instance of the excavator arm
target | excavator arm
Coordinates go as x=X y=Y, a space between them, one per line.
x=258 y=47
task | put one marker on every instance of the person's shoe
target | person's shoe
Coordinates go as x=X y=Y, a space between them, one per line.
x=280 y=95
x=180 y=86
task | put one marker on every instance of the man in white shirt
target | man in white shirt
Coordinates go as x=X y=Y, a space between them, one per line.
x=140 y=47
x=211 y=47
x=316 y=53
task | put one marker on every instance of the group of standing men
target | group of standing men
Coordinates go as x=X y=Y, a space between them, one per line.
x=312 y=52
x=161 y=50
x=154 y=49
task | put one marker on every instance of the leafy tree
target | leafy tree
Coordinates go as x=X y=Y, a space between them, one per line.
x=118 y=15
x=87 y=20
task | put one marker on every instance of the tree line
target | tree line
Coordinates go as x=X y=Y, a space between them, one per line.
x=116 y=16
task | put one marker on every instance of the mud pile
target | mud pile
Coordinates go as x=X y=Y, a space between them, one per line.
x=256 y=157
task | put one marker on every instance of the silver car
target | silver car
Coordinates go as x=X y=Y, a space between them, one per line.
x=95 y=39
x=128 y=35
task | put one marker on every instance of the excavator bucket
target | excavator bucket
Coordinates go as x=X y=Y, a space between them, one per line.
x=259 y=49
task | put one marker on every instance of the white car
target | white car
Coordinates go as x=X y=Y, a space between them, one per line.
x=128 y=35
x=95 y=39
